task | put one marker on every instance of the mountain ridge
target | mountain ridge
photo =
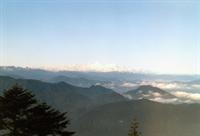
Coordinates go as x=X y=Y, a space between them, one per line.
x=151 y=93
x=64 y=96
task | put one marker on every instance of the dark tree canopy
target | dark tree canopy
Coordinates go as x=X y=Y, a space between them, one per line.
x=22 y=115
x=134 y=129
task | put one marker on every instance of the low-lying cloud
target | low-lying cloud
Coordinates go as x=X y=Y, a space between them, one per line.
x=187 y=95
x=163 y=100
x=129 y=84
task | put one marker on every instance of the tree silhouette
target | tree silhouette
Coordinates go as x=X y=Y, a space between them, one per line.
x=45 y=120
x=22 y=115
x=134 y=129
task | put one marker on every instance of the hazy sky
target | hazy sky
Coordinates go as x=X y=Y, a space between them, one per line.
x=157 y=36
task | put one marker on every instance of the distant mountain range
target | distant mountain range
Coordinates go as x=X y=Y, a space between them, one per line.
x=117 y=81
x=99 y=111
x=151 y=93
x=41 y=74
x=142 y=92
x=65 y=96
x=81 y=82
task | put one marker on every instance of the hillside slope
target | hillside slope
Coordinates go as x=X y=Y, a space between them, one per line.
x=63 y=96
x=155 y=119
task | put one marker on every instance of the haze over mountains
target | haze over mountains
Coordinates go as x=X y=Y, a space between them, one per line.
x=38 y=73
x=151 y=93
x=64 y=96
x=186 y=86
x=106 y=62
x=107 y=113
x=103 y=104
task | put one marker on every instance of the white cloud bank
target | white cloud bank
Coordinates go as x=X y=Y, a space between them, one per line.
x=186 y=95
x=97 y=67
x=185 y=92
x=129 y=85
x=163 y=100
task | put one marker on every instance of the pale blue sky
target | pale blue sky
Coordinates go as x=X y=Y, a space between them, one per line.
x=157 y=36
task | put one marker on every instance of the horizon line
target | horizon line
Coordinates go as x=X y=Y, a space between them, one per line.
x=97 y=71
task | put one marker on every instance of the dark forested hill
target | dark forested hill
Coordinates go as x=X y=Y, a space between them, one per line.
x=151 y=93
x=65 y=96
x=155 y=119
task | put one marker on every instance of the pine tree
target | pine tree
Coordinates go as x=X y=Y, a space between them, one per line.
x=134 y=129
x=14 y=106
x=45 y=120
x=22 y=115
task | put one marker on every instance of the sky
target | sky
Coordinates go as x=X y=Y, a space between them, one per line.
x=161 y=36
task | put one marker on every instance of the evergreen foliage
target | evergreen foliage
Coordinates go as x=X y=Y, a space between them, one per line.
x=134 y=129
x=22 y=115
